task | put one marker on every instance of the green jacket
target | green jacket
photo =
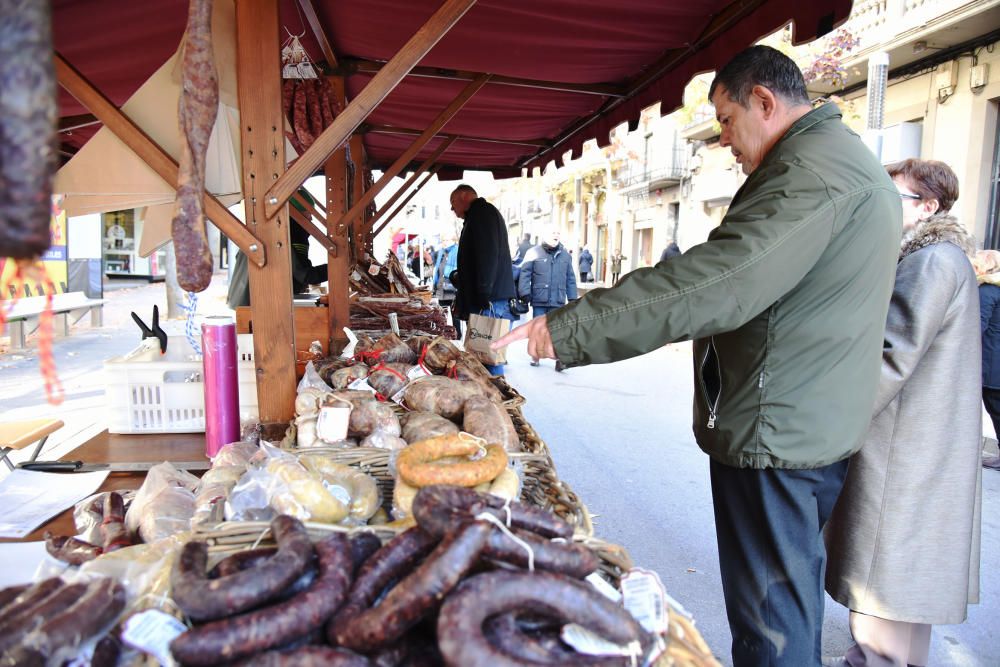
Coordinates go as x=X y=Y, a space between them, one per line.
x=787 y=300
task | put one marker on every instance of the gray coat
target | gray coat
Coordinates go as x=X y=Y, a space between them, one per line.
x=903 y=541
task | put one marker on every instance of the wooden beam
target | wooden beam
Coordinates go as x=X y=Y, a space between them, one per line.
x=258 y=69
x=310 y=208
x=150 y=152
x=411 y=152
x=413 y=177
x=338 y=266
x=361 y=66
x=360 y=107
x=393 y=129
x=318 y=32
x=427 y=177
x=307 y=224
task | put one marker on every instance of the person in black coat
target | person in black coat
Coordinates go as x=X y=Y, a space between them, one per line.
x=670 y=251
x=485 y=279
x=987 y=265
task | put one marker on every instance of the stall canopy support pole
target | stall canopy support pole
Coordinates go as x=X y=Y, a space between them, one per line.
x=360 y=175
x=360 y=107
x=150 y=152
x=414 y=148
x=427 y=177
x=339 y=264
x=263 y=143
x=410 y=181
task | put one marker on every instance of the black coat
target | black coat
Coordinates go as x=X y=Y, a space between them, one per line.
x=989 y=320
x=484 y=268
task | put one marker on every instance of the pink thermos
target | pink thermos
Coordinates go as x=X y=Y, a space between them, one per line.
x=222 y=400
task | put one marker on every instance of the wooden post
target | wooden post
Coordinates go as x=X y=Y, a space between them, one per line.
x=150 y=152
x=356 y=227
x=263 y=143
x=360 y=107
x=414 y=148
x=339 y=264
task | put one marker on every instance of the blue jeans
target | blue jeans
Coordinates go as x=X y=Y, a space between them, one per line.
x=769 y=525
x=501 y=309
x=541 y=310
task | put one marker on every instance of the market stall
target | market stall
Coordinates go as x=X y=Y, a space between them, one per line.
x=462 y=507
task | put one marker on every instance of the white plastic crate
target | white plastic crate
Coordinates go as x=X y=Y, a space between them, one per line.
x=152 y=393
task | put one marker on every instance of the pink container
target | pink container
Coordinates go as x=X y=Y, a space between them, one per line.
x=222 y=399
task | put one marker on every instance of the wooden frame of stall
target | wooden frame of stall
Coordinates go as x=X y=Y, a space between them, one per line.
x=345 y=228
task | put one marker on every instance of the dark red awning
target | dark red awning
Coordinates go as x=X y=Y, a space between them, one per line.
x=118 y=44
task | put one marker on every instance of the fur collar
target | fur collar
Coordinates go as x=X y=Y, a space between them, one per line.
x=939 y=228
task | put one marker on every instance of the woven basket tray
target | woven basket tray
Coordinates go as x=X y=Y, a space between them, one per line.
x=685 y=645
x=541 y=488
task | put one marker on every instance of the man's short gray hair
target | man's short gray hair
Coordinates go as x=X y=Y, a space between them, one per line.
x=761 y=66
x=465 y=189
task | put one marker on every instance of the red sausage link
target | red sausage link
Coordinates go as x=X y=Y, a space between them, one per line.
x=436 y=508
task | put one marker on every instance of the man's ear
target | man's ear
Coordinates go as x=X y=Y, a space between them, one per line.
x=762 y=96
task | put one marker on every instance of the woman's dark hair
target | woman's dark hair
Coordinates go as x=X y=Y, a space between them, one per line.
x=761 y=66
x=930 y=179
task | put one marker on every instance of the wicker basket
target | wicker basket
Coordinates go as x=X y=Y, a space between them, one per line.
x=685 y=646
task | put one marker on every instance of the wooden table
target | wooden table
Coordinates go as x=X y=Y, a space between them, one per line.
x=119 y=448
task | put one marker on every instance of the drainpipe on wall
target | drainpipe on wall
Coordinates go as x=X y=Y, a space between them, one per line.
x=878 y=76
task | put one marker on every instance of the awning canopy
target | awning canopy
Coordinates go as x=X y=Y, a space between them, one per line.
x=565 y=71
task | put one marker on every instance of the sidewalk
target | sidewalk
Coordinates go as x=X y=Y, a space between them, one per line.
x=79 y=363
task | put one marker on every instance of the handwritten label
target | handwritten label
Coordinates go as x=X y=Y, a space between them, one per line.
x=151 y=632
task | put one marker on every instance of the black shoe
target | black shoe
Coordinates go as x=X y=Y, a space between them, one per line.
x=534 y=363
x=559 y=366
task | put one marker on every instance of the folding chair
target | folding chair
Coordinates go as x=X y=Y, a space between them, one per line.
x=21 y=434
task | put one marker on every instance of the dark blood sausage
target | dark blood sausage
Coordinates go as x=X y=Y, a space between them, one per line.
x=196 y=112
x=312 y=102
x=205 y=599
x=390 y=563
x=60 y=636
x=70 y=550
x=31 y=596
x=573 y=560
x=113 y=532
x=437 y=508
x=308 y=656
x=33 y=616
x=7 y=595
x=460 y=625
x=416 y=595
x=363 y=546
x=287 y=95
x=507 y=635
x=244 y=635
x=241 y=560
x=28 y=157
x=107 y=650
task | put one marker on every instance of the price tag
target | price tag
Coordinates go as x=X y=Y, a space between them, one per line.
x=416 y=373
x=398 y=397
x=331 y=425
x=151 y=632
x=603 y=587
x=373 y=269
x=361 y=384
x=646 y=599
x=585 y=641
x=352 y=341
x=394 y=323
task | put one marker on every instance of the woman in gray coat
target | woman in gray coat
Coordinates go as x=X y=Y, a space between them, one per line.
x=903 y=540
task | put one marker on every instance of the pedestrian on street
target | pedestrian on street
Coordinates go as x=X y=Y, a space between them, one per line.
x=920 y=463
x=484 y=279
x=670 y=251
x=547 y=278
x=987 y=266
x=616 y=266
x=787 y=304
x=586 y=263
x=445 y=264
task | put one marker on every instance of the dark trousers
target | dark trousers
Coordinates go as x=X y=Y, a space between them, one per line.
x=537 y=311
x=991 y=399
x=769 y=526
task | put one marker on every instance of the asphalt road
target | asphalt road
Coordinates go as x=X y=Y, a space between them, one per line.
x=621 y=438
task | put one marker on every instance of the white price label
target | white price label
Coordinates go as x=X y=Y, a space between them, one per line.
x=331 y=425
x=394 y=323
x=589 y=643
x=603 y=587
x=373 y=269
x=399 y=396
x=151 y=632
x=361 y=384
x=646 y=599
x=352 y=341
x=417 y=372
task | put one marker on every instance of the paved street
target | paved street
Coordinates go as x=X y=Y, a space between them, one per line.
x=620 y=435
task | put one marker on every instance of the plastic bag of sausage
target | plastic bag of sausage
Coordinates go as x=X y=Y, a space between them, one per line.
x=164 y=503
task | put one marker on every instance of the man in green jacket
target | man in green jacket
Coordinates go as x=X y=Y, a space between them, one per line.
x=786 y=302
